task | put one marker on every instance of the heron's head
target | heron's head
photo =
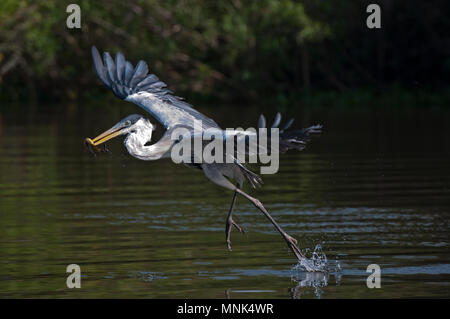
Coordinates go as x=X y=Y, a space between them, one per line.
x=132 y=124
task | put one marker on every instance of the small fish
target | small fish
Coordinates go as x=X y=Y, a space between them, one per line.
x=95 y=149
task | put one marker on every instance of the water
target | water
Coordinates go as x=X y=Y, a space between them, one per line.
x=374 y=189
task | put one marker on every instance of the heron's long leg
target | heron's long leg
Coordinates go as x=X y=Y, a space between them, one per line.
x=230 y=222
x=290 y=241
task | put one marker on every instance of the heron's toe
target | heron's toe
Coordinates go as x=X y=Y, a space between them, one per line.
x=239 y=228
x=293 y=240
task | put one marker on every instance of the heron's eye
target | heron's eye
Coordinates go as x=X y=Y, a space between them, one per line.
x=128 y=123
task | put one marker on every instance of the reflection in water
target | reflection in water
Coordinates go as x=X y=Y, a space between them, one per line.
x=315 y=280
x=318 y=278
x=363 y=191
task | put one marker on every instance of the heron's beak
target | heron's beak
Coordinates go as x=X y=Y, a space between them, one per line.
x=105 y=136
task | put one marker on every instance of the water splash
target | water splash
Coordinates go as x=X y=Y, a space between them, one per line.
x=338 y=271
x=313 y=271
x=312 y=262
x=315 y=280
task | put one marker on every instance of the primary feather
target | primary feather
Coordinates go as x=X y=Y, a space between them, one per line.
x=147 y=91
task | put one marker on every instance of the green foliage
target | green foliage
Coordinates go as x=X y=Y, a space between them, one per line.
x=233 y=49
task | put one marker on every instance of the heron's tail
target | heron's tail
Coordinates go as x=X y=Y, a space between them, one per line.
x=295 y=139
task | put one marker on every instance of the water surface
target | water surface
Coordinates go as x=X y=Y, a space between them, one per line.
x=374 y=189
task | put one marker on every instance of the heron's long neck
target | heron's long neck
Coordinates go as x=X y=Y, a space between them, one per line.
x=135 y=144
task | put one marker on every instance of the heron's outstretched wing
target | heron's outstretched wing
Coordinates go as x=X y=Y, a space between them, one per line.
x=292 y=139
x=134 y=84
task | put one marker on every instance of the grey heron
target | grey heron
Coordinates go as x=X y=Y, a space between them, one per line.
x=134 y=84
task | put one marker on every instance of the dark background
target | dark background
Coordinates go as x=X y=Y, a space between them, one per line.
x=374 y=188
x=267 y=51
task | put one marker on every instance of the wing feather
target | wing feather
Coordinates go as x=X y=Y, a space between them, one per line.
x=277 y=120
x=262 y=121
x=147 y=91
x=128 y=73
x=140 y=72
x=120 y=67
x=99 y=67
x=110 y=67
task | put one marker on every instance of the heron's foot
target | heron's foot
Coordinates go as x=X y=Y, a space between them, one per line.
x=239 y=228
x=229 y=245
x=292 y=240
x=230 y=222
x=292 y=243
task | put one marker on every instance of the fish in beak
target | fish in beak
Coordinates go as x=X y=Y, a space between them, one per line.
x=96 y=145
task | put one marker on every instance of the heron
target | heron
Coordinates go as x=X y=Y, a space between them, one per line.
x=136 y=85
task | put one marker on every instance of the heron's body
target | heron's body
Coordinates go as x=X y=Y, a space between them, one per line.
x=147 y=91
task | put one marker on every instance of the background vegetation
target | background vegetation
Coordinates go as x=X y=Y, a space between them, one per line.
x=272 y=50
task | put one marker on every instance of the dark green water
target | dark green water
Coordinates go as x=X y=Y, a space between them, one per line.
x=374 y=189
